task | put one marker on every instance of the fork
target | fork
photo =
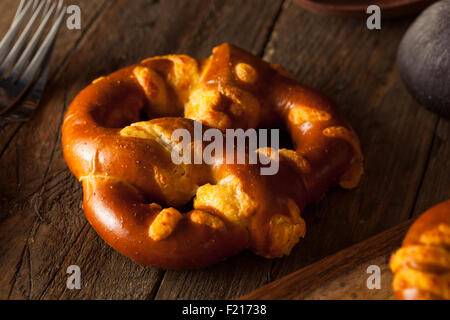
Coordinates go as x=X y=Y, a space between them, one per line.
x=19 y=74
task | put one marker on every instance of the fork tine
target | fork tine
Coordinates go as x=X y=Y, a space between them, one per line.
x=40 y=55
x=21 y=42
x=46 y=8
x=19 y=9
x=60 y=4
x=35 y=3
x=24 y=110
x=13 y=30
x=18 y=67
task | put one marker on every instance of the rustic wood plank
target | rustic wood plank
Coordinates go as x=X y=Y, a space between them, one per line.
x=435 y=187
x=41 y=220
x=357 y=68
x=352 y=285
x=26 y=157
x=342 y=275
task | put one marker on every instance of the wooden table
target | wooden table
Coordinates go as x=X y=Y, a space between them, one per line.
x=43 y=229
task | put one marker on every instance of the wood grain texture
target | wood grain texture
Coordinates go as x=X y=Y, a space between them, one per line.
x=42 y=226
x=35 y=233
x=342 y=275
x=352 y=285
x=435 y=187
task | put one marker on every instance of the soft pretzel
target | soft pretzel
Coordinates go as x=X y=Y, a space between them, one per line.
x=422 y=266
x=134 y=194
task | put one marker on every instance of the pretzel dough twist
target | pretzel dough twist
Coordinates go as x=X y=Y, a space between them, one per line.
x=126 y=170
x=422 y=266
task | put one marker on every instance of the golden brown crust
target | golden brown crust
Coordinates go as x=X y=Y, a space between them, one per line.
x=422 y=266
x=126 y=169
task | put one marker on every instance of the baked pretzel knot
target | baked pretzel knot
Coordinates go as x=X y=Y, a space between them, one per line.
x=134 y=193
x=422 y=266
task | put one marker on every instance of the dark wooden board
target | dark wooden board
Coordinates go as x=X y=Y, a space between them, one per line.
x=435 y=186
x=342 y=275
x=43 y=229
